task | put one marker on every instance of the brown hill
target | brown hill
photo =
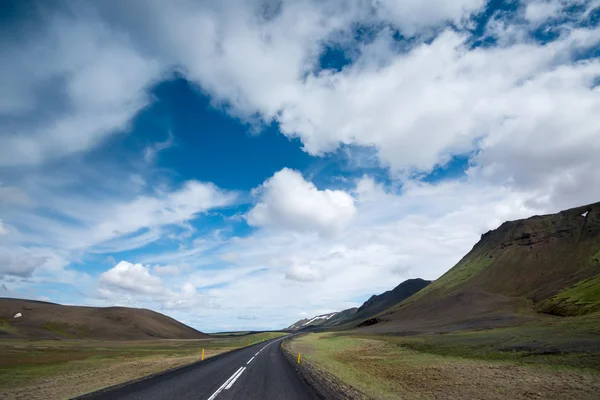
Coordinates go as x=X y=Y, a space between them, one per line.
x=41 y=320
x=543 y=264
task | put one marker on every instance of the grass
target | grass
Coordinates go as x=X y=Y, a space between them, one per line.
x=557 y=360
x=60 y=329
x=596 y=258
x=5 y=326
x=47 y=369
x=462 y=272
x=581 y=298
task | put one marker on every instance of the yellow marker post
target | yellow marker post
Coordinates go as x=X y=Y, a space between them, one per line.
x=202 y=354
x=299 y=358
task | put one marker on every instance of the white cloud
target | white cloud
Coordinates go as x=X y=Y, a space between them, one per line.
x=131 y=284
x=152 y=151
x=412 y=16
x=302 y=273
x=3 y=229
x=134 y=278
x=165 y=209
x=89 y=78
x=20 y=262
x=420 y=232
x=481 y=97
x=527 y=113
x=542 y=10
x=166 y=270
x=287 y=201
x=528 y=97
x=108 y=222
x=187 y=298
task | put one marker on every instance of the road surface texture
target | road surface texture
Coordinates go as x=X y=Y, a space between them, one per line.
x=257 y=372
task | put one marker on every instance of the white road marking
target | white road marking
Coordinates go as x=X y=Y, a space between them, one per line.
x=224 y=384
x=229 y=382
x=235 y=379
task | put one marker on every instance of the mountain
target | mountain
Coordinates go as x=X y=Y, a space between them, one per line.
x=341 y=317
x=371 y=307
x=40 y=320
x=308 y=322
x=514 y=274
x=381 y=302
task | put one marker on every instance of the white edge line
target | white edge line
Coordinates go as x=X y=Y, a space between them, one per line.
x=250 y=360
x=223 y=385
x=235 y=379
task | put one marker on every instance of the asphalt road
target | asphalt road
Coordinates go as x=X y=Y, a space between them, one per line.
x=257 y=372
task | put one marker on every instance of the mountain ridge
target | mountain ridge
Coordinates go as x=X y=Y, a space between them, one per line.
x=375 y=304
x=516 y=273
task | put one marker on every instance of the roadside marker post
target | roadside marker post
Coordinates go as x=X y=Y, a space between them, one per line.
x=299 y=358
x=202 y=354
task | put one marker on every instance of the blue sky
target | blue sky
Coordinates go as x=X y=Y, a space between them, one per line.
x=242 y=165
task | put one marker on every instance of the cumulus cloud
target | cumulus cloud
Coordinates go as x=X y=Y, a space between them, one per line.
x=420 y=231
x=94 y=77
x=20 y=262
x=134 y=278
x=482 y=97
x=132 y=284
x=187 y=298
x=287 y=201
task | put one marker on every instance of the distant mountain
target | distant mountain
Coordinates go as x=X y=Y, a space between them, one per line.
x=543 y=264
x=314 y=321
x=40 y=320
x=341 y=317
x=371 y=307
x=381 y=302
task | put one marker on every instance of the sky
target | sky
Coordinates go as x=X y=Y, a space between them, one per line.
x=242 y=164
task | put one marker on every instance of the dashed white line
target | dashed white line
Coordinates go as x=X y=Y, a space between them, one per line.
x=235 y=379
x=227 y=382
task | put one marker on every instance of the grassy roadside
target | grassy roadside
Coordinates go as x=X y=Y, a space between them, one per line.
x=536 y=362
x=53 y=369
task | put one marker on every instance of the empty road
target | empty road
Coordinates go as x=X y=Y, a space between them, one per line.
x=257 y=372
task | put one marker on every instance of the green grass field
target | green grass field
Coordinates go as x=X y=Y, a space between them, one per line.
x=49 y=369
x=559 y=360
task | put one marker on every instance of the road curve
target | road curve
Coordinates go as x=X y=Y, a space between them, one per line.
x=257 y=372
